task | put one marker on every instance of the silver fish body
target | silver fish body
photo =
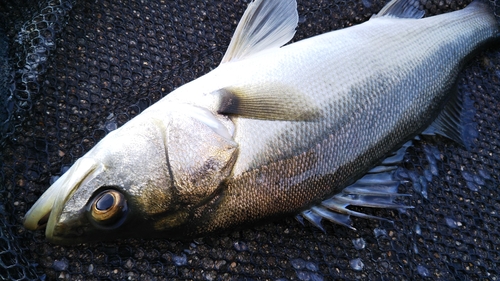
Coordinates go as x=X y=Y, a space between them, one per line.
x=269 y=132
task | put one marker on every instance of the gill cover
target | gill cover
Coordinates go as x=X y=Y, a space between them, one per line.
x=150 y=174
x=200 y=152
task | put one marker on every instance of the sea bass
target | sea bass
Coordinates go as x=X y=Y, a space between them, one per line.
x=273 y=131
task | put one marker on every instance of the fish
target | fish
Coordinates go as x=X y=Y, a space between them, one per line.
x=308 y=129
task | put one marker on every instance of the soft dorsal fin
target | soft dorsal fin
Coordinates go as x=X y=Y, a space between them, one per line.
x=451 y=121
x=409 y=9
x=265 y=24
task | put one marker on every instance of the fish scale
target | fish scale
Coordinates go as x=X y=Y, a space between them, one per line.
x=273 y=131
x=355 y=77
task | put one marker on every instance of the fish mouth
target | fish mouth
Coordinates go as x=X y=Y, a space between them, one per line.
x=45 y=213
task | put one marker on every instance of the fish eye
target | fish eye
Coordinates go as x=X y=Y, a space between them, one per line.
x=108 y=208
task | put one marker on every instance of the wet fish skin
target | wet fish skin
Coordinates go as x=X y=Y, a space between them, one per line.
x=334 y=106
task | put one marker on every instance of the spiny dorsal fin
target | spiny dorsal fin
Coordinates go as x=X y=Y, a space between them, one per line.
x=271 y=101
x=409 y=9
x=265 y=24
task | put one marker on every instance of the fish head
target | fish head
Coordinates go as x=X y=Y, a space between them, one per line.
x=144 y=180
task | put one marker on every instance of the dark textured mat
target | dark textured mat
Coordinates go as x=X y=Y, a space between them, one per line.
x=73 y=70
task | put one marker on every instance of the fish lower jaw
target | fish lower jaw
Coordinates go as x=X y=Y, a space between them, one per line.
x=33 y=221
x=42 y=223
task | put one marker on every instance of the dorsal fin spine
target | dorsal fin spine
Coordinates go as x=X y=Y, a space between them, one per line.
x=266 y=24
x=409 y=9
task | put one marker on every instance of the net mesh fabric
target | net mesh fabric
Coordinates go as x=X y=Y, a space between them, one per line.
x=71 y=71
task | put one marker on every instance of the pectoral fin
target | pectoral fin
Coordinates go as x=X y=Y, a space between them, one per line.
x=271 y=101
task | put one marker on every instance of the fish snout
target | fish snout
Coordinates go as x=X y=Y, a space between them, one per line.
x=46 y=211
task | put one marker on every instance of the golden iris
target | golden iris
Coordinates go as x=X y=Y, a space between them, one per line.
x=108 y=207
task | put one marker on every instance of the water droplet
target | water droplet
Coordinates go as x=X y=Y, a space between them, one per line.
x=199 y=241
x=452 y=223
x=428 y=175
x=402 y=173
x=416 y=179
x=359 y=243
x=218 y=264
x=469 y=129
x=240 y=246
x=309 y=276
x=422 y=270
x=470 y=180
x=209 y=276
x=298 y=263
x=110 y=123
x=485 y=174
x=129 y=264
x=417 y=186
x=367 y=3
x=60 y=265
x=304 y=276
x=64 y=169
x=312 y=266
x=413 y=176
x=179 y=260
x=316 y=277
x=472 y=186
x=430 y=155
x=188 y=251
x=434 y=170
x=418 y=230
x=479 y=180
x=379 y=232
x=53 y=179
x=436 y=153
x=423 y=186
x=357 y=264
x=467 y=176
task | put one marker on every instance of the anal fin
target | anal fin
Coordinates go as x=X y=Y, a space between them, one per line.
x=377 y=189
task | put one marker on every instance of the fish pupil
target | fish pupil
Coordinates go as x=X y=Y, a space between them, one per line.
x=105 y=202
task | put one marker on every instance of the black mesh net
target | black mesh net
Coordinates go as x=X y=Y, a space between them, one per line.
x=71 y=71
